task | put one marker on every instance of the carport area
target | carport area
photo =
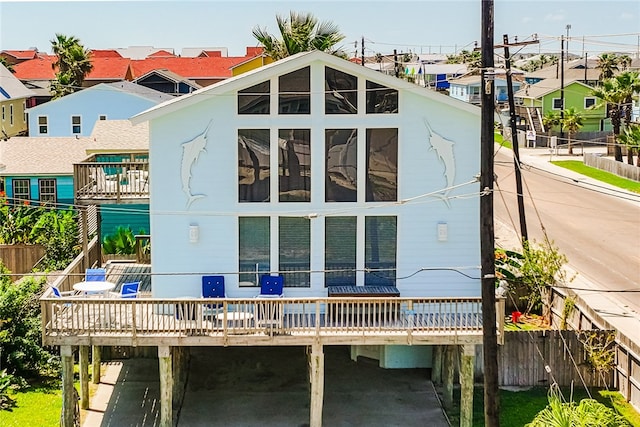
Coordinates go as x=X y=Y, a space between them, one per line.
x=269 y=386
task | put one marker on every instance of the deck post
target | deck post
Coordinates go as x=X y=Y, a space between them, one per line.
x=466 y=385
x=95 y=360
x=449 y=361
x=68 y=396
x=436 y=369
x=84 y=376
x=316 y=373
x=166 y=386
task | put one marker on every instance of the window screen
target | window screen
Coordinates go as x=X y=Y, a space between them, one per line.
x=295 y=251
x=340 y=251
x=254 y=243
x=380 y=250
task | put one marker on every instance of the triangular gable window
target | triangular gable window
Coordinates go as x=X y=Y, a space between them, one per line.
x=381 y=99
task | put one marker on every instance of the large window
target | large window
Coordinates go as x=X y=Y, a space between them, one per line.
x=21 y=189
x=294 y=238
x=380 y=250
x=47 y=190
x=382 y=165
x=341 y=167
x=340 y=251
x=255 y=99
x=295 y=92
x=253 y=165
x=76 y=125
x=341 y=92
x=294 y=165
x=381 y=99
x=254 y=243
x=43 y=124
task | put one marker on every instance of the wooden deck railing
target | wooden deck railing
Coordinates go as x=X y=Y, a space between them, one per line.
x=198 y=321
x=111 y=181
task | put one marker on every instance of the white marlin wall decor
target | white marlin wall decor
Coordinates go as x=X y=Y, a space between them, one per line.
x=191 y=151
x=444 y=150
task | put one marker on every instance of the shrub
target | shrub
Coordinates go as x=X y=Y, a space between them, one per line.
x=122 y=242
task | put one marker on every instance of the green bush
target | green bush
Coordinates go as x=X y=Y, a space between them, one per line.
x=122 y=242
x=20 y=329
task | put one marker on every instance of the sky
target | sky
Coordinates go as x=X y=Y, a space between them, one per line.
x=426 y=26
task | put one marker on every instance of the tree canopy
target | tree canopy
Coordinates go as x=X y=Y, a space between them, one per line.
x=73 y=63
x=299 y=32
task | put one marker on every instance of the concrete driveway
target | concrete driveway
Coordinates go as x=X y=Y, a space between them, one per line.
x=268 y=386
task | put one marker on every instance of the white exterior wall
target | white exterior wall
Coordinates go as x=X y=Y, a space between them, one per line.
x=215 y=174
x=89 y=104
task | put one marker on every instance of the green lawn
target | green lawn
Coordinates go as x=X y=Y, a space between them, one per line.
x=517 y=408
x=609 y=178
x=37 y=406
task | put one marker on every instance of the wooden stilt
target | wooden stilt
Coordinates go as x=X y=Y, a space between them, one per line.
x=95 y=360
x=166 y=386
x=436 y=368
x=68 y=396
x=466 y=385
x=84 y=376
x=449 y=362
x=316 y=373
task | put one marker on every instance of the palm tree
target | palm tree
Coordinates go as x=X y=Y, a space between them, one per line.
x=618 y=93
x=631 y=138
x=550 y=120
x=572 y=122
x=73 y=64
x=300 y=33
x=624 y=61
x=608 y=65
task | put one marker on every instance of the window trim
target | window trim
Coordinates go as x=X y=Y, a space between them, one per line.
x=54 y=194
x=553 y=104
x=79 y=124
x=45 y=125
x=590 y=98
x=17 y=199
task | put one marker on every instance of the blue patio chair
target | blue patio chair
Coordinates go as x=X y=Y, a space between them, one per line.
x=213 y=287
x=60 y=294
x=128 y=290
x=95 y=275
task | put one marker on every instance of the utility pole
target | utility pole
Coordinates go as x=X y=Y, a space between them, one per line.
x=363 y=51
x=514 y=140
x=487 y=234
x=395 y=63
x=561 y=88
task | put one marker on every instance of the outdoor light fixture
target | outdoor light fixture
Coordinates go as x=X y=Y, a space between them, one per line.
x=194 y=233
x=443 y=232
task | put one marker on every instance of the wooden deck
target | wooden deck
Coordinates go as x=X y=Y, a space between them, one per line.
x=286 y=321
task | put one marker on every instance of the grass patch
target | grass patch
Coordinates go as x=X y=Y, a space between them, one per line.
x=497 y=137
x=517 y=408
x=36 y=406
x=609 y=178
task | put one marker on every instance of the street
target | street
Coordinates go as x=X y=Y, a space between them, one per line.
x=598 y=232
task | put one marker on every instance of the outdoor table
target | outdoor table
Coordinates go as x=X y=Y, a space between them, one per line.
x=89 y=288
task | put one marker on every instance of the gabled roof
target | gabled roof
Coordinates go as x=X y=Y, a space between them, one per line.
x=573 y=70
x=140 y=52
x=39 y=68
x=28 y=156
x=109 y=68
x=120 y=86
x=545 y=87
x=105 y=53
x=20 y=54
x=287 y=65
x=192 y=68
x=162 y=54
x=170 y=76
x=11 y=87
x=193 y=52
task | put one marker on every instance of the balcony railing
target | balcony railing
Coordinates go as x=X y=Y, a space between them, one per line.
x=256 y=321
x=111 y=181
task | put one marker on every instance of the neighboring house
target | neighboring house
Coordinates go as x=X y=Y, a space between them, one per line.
x=14 y=57
x=534 y=101
x=582 y=70
x=167 y=82
x=41 y=170
x=14 y=99
x=76 y=114
x=468 y=89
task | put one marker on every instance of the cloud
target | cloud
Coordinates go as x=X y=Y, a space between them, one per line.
x=559 y=16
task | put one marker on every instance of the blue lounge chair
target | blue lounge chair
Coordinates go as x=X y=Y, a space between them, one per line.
x=213 y=287
x=128 y=290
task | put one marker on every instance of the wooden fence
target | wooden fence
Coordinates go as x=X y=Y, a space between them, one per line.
x=20 y=259
x=622 y=169
x=530 y=358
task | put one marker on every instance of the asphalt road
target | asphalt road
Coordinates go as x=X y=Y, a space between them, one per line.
x=598 y=232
